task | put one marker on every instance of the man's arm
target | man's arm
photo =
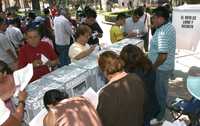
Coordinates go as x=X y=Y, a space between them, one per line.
x=16 y=118
x=100 y=35
x=19 y=112
x=68 y=27
x=12 y=121
x=99 y=30
x=131 y=34
x=160 y=60
x=7 y=47
x=51 y=55
x=11 y=54
x=53 y=63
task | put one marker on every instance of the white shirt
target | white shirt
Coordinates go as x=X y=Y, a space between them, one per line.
x=131 y=26
x=146 y=17
x=4 y=112
x=76 y=48
x=15 y=35
x=63 y=30
x=5 y=44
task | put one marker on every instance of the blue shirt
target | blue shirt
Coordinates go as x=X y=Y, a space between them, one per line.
x=164 y=41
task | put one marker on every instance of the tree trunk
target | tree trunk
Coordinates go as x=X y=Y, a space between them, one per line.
x=193 y=1
x=1 y=6
x=61 y=3
x=36 y=4
x=7 y=4
x=96 y=4
x=17 y=4
x=26 y=4
x=100 y=4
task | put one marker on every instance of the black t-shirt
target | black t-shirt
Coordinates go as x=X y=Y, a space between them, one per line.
x=95 y=29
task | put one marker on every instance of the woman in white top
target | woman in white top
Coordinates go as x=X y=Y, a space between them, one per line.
x=80 y=48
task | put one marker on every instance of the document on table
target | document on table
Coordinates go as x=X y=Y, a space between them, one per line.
x=22 y=77
x=38 y=119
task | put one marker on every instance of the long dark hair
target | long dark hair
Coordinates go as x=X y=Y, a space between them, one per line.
x=134 y=58
x=45 y=31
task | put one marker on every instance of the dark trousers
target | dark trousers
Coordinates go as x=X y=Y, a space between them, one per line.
x=63 y=51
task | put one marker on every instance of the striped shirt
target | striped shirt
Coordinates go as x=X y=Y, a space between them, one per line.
x=164 y=41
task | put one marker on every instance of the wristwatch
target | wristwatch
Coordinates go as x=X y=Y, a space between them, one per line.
x=21 y=102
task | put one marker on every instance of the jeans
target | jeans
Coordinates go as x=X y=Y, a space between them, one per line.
x=161 y=87
x=63 y=54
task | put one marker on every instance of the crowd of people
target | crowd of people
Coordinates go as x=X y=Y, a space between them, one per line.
x=136 y=91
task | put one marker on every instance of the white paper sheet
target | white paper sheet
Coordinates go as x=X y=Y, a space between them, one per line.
x=22 y=77
x=175 y=123
x=91 y=96
x=4 y=112
x=167 y=123
x=38 y=119
x=44 y=59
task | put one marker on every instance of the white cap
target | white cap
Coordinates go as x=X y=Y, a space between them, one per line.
x=4 y=112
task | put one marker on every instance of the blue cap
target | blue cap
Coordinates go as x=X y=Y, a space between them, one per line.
x=193 y=86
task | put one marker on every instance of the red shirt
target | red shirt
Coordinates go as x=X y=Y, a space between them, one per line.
x=28 y=54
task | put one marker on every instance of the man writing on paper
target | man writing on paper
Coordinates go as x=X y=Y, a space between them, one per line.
x=134 y=27
x=32 y=52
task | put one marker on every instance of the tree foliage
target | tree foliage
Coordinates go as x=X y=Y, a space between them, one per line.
x=193 y=1
x=36 y=4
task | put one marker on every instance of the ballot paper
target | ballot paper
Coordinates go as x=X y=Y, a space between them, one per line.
x=91 y=96
x=22 y=77
x=38 y=119
x=44 y=59
x=94 y=35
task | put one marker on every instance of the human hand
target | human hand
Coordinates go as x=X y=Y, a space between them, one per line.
x=131 y=34
x=22 y=95
x=92 y=47
x=95 y=35
x=37 y=63
x=48 y=63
